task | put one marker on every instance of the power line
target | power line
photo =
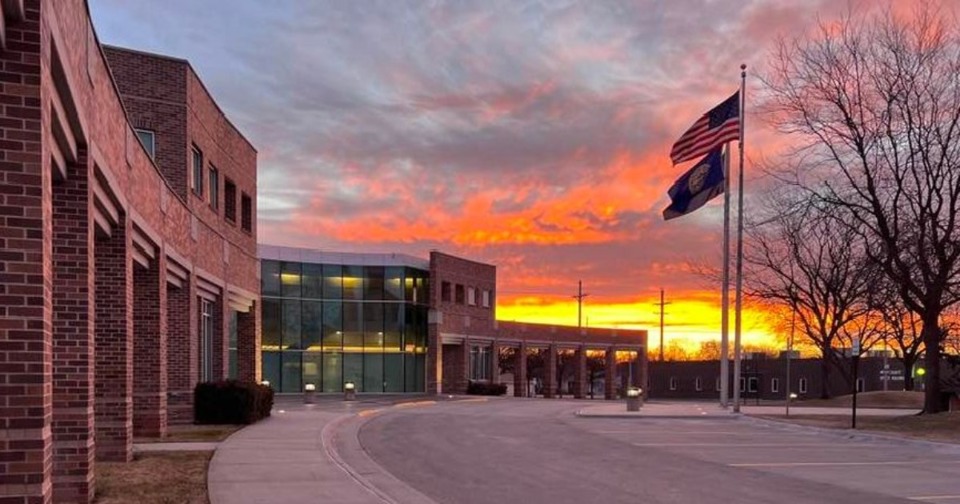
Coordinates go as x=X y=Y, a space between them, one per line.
x=579 y=297
x=661 y=305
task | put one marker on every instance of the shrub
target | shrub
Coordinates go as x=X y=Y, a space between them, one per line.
x=231 y=402
x=488 y=389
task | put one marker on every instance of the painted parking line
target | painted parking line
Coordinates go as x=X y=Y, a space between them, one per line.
x=366 y=413
x=827 y=464
x=935 y=498
x=749 y=445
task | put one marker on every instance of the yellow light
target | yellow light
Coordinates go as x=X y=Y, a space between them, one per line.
x=921 y=371
x=289 y=278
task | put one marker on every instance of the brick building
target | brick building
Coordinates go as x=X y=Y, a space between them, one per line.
x=765 y=378
x=128 y=267
x=393 y=323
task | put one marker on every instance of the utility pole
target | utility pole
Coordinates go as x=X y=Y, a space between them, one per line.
x=661 y=304
x=579 y=297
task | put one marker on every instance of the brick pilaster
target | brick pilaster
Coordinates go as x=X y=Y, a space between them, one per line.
x=610 y=375
x=580 y=373
x=150 y=349
x=434 y=356
x=520 y=372
x=495 y=362
x=181 y=352
x=248 y=344
x=73 y=343
x=550 y=378
x=221 y=338
x=25 y=272
x=113 y=336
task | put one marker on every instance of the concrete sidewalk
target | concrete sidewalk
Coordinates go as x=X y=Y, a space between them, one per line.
x=293 y=457
x=657 y=409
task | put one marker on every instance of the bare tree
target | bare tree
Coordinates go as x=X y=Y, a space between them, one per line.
x=900 y=329
x=798 y=257
x=874 y=103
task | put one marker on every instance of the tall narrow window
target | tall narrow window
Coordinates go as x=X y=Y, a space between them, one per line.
x=246 y=212
x=229 y=200
x=460 y=296
x=214 y=184
x=486 y=299
x=196 y=181
x=775 y=385
x=803 y=385
x=445 y=291
x=206 y=340
x=471 y=296
x=148 y=140
x=673 y=383
x=698 y=384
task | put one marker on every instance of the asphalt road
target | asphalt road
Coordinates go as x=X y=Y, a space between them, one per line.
x=533 y=451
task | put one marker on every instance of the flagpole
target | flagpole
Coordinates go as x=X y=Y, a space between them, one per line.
x=725 y=295
x=739 y=295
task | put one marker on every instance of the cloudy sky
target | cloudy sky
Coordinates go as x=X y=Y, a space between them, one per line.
x=530 y=134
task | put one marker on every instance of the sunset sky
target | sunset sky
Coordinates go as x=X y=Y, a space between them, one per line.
x=531 y=135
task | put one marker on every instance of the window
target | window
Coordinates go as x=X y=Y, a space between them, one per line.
x=214 y=183
x=486 y=299
x=803 y=385
x=246 y=212
x=743 y=384
x=698 y=384
x=752 y=384
x=445 y=291
x=229 y=200
x=206 y=340
x=717 y=384
x=460 y=294
x=148 y=140
x=471 y=296
x=480 y=363
x=673 y=383
x=775 y=385
x=196 y=181
x=861 y=386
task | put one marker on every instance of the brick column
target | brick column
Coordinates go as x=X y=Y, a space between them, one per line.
x=221 y=337
x=520 y=372
x=25 y=274
x=550 y=365
x=73 y=342
x=113 y=336
x=495 y=362
x=150 y=349
x=181 y=351
x=434 y=354
x=580 y=373
x=248 y=345
x=610 y=376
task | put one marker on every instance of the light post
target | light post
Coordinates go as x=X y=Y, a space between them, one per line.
x=793 y=328
x=634 y=398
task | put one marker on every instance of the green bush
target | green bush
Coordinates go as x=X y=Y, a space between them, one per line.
x=231 y=402
x=484 y=388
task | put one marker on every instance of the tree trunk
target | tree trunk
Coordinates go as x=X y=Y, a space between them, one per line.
x=824 y=377
x=931 y=362
x=908 y=362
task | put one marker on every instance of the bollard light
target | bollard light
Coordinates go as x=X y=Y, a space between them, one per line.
x=349 y=391
x=310 y=387
x=309 y=393
x=793 y=395
x=634 y=392
x=634 y=398
x=349 y=386
x=265 y=383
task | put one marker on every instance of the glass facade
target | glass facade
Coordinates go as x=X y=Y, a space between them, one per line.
x=327 y=324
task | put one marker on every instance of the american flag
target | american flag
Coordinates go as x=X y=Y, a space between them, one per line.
x=715 y=128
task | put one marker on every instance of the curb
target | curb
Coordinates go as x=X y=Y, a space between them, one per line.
x=581 y=414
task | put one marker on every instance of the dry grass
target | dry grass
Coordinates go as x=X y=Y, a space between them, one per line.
x=940 y=427
x=155 y=478
x=194 y=433
x=878 y=399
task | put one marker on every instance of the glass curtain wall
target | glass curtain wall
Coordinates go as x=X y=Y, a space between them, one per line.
x=330 y=324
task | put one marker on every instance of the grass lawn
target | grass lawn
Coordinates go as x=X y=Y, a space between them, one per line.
x=155 y=478
x=939 y=427
x=193 y=433
x=877 y=399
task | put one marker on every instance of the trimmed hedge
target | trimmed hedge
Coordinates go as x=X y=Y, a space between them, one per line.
x=231 y=402
x=484 y=388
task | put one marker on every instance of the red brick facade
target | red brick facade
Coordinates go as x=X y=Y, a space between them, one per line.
x=461 y=323
x=105 y=251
